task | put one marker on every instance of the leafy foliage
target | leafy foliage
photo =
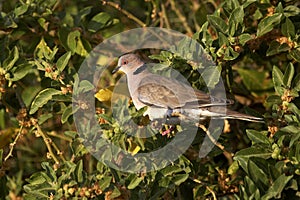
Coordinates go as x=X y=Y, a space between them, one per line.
x=255 y=45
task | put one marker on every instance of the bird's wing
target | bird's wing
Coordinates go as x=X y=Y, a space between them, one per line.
x=159 y=91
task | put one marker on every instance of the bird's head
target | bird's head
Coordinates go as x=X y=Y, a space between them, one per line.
x=128 y=63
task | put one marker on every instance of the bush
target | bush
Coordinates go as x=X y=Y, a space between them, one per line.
x=43 y=43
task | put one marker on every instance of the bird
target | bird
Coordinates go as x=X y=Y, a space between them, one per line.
x=167 y=98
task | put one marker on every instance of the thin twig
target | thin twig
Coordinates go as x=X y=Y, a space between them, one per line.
x=48 y=142
x=13 y=144
x=54 y=134
x=212 y=192
x=165 y=16
x=125 y=12
x=58 y=151
x=212 y=139
x=181 y=17
x=208 y=188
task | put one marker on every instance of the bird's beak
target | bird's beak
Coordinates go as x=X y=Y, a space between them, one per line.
x=116 y=69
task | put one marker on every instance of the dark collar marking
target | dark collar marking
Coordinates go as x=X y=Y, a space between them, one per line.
x=140 y=69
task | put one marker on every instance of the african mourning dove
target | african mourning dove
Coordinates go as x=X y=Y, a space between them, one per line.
x=165 y=96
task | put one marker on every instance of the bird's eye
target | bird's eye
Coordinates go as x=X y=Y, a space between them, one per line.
x=124 y=62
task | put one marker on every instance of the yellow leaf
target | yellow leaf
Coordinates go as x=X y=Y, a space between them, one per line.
x=135 y=150
x=104 y=94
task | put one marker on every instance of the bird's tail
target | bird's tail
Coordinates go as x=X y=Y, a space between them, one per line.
x=241 y=116
x=219 y=112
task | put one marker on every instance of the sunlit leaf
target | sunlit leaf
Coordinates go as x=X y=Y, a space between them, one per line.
x=218 y=23
x=134 y=182
x=268 y=23
x=288 y=28
x=10 y=61
x=288 y=75
x=277 y=187
x=42 y=98
x=277 y=77
x=63 y=61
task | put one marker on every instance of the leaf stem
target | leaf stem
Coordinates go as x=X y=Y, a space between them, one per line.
x=13 y=144
x=48 y=143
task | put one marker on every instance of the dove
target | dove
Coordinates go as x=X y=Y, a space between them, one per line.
x=166 y=97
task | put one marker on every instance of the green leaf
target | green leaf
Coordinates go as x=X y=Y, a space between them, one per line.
x=171 y=169
x=218 y=23
x=291 y=129
x=244 y=38
x=277 y=187
x=277 y=77
x=43 y=23
x=274 y=99
x=180 y=178
x=42 y=50
x=79 y=172
x=268 y=23
x=116 y=193
x=295 y=137
x=230 y=54
x=43 y=118
x=71 y=134
x=80 y=48
x=223 y=40
x=296 y=83
x=231 y=5
x=291 y=10
x=85 y=86
x=243 y=155
x=84 y=12
x=295 y=53
x=236 y=18
x=257 y=137
x=36 y=179
x=68 y=111
x=42 y=98
x=211 y=76
x=135 y=182
x=63 y=61
x=233 y=168
x=50 y=173
x=29 y=94
x=248 y=2
x=105 y=182
x=255 y=80
x=288 y=28
x=288 y=75
x=63 y=33
x=257 y=174
x=276 y=48
x=21 y=10
x=253 y=152
x=252 y=189
x=72 y=39
x=12 y=58
x=99 y=22
x=279 y=8
x=21 y=71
